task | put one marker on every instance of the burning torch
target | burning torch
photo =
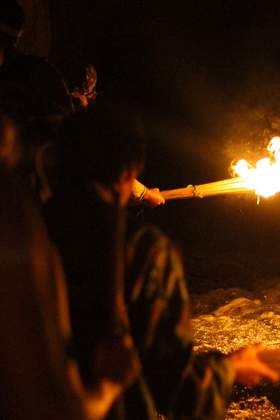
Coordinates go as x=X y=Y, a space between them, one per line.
x=263 y=179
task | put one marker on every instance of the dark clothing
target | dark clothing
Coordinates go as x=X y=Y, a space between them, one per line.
x=182 y=385
x=80 y=225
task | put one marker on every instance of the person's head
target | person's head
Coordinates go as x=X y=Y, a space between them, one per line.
x=12 y=21
x=101 y=144
x=81 y=80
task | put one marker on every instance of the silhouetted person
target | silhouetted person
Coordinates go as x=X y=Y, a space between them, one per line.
x=99 y=155
x=39 y=377
x=29 y=86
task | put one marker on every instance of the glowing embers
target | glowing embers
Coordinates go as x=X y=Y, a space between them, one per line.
x=264 y=177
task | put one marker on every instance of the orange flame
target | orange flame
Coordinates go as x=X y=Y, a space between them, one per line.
x=264 y=177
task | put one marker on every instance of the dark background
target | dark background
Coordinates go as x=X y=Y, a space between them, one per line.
x=205 y=76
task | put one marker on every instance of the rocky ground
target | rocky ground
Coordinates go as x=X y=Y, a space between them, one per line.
x=227 y=319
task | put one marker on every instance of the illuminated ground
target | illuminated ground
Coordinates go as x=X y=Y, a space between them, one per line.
x=227 y=319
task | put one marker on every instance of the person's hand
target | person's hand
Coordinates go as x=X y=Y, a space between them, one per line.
x=115 y=365
x=153 y=197
x=116 y=360
x=248 y=368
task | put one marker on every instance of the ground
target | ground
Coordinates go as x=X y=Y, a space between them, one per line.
x=227 y=319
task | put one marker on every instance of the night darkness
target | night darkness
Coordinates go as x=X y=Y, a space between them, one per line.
x=205 y=77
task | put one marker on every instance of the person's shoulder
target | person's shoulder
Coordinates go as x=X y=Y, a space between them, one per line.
x=40 y=70
x=34 y=61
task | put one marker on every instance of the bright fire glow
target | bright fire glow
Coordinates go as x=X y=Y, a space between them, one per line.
x=264 y=177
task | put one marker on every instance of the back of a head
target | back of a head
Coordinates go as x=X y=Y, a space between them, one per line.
x=100 y=143
x=12 y=21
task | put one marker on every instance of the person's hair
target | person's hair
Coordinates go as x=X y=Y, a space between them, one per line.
x=99 y=144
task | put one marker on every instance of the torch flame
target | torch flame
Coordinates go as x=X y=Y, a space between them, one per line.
x=264 y=177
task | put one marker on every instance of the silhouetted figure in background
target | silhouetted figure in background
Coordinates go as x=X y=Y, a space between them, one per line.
x=29 y=86
x=32 y=92
x=82 y=85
